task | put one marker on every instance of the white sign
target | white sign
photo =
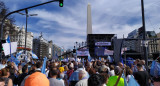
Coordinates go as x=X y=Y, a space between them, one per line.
x=103 y=43
x=108 y=52
x=6 y=47
x=82 y=53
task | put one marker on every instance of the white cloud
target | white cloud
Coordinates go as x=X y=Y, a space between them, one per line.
x=107 y=17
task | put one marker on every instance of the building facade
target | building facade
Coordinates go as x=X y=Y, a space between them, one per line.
x=41 y=47
x=137 y=45
x=19 y=37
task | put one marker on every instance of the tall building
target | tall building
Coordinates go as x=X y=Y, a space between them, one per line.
x=19 y=36
x=137 y=45
x=41 y=47
x=89 y=20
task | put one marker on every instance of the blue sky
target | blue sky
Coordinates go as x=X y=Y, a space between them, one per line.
x=66 y=25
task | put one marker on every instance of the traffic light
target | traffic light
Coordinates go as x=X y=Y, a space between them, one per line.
x=61 y=3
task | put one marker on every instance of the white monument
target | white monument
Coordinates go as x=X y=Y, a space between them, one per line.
x=89 y=20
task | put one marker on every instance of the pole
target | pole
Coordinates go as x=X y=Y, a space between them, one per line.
x=26 y=31
x=144 y=34
x=3 y=20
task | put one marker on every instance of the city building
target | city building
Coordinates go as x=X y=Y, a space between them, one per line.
x=137 y=45
x=19 y=36
x=41 y=47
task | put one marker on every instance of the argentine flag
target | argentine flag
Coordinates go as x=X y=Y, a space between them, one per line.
x=44 y=65
x=34 y=56
x=19 y=54
x=89 y=58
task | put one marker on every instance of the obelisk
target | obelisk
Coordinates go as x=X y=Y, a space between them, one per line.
x=89 y=19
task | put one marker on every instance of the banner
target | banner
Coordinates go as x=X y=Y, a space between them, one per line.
x=82 y=53
x=103 y=43
x=6 y=47
x=108 y=52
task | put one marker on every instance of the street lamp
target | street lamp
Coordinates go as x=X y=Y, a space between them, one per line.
x=27 y=15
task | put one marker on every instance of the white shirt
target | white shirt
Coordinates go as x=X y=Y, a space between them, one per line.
x=111 y=73
x=83 y=82
x=2 y=66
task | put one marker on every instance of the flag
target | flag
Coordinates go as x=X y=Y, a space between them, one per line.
x=89 y=58
x=125 y=81
x=44 y=65
x=132 y=82
x=34 y=56
x=13 y=59
x=100 y=58
x=7 y=48
x=19 y=54
x=110 y=59
x=8 y=40
x=55 y=56
x=152 y=68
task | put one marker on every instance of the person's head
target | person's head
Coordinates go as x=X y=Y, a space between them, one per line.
x=82 y=74
x=89 y=64
x=33 y=66
x=53 y=72
x=95 y=80
x=111 y=67
x=61 y=69
x=120 y=64
x=8 y=63
x=137 y=61
x=38 y=64
x=3 y=62
x=103 y=69
x=105 y=77
x=117 y=70
x=80 y=65
x=2 y=82
x=142 y=62
x=5 y=72
x=71 y=66
x=65 y=68
x=25 y=69
x=19 y=66
x=139 y=67
x=92 y=71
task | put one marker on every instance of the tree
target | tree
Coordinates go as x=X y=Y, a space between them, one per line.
x=8 y=25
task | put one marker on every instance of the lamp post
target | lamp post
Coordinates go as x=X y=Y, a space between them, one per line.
x=27 y=15
x=75 y=47
x=144 y=34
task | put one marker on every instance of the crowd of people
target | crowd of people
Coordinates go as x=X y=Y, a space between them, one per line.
x=74 y=73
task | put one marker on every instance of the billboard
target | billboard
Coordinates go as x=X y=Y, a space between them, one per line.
x=83 y=52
